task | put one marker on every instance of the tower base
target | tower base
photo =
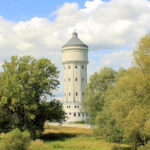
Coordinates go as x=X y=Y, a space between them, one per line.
x=74 y=112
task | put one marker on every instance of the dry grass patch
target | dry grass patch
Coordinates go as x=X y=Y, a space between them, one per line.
x=68 y=130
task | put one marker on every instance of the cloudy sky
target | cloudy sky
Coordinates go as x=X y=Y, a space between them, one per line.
x=111 y=29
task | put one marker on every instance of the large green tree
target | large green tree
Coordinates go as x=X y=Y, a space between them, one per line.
x=125 y=113
x=25 y=84
x=105 y=121
x=95 y=91
x=132 y=99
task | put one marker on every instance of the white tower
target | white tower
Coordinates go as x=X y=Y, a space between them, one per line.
x=75 y=60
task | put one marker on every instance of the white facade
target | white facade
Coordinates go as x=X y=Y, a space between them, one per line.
x=75 y=60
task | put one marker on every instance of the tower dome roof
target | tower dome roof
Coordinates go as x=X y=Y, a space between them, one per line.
x=75 y=41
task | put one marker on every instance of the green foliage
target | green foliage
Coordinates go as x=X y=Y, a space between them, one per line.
x=95 y=91
x=131 y=101
x=98 y=97
x=25 y=84
x=5 y=122
x=146 y=147
x=16 y=140
x=121 y=111
x=142 y=54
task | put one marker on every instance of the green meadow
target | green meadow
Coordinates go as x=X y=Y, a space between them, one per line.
x=71 y=138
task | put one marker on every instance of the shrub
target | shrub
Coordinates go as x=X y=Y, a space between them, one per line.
x=146 y=147
x=16 y=140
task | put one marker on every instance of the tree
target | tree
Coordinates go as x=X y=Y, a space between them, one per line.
x=142 y=54
x=131 y=103
x=120 y=110
x=25 y=84
x=106 y=122
x=95 y=91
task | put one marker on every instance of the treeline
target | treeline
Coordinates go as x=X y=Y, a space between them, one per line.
x=118 y=102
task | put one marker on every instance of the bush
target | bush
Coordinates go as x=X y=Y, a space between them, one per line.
x=16 y=140
x=146 y=147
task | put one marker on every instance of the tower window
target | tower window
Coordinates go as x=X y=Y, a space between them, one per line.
x=76 y=79
x=82 y=93
x=82 y=67
x=76 y=67
x=76 y=93
x=79 y=114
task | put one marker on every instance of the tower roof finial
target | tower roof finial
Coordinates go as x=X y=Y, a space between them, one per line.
x=74 y=34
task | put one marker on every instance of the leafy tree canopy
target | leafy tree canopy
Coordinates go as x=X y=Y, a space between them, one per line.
x=121 y=110
x=25 y=84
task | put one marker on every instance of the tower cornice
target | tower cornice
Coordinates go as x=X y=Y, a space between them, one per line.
x=76 y=61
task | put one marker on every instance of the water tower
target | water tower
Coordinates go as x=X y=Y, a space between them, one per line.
x=75 y=60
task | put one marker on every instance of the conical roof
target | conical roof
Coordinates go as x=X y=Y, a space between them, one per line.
x=74 y=41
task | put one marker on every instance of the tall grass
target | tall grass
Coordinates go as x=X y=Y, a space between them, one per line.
x=68 y=138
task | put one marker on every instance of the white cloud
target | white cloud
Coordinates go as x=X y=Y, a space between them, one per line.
x=101 y=25
x=115 y=60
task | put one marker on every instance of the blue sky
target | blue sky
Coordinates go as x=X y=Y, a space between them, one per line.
x=17 y=10
x=40 y=28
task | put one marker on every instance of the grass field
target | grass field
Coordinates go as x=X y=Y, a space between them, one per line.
x=68 y=138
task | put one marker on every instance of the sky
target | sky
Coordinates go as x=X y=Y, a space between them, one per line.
x=39 y=28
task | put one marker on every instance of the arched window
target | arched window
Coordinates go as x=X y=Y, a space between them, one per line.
x=74 y=114
x=69 y=79
x=79 y=114
x=76 y=79
x=76 y=67
x=69 y=67
x=69 y=94
x=82 y=67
